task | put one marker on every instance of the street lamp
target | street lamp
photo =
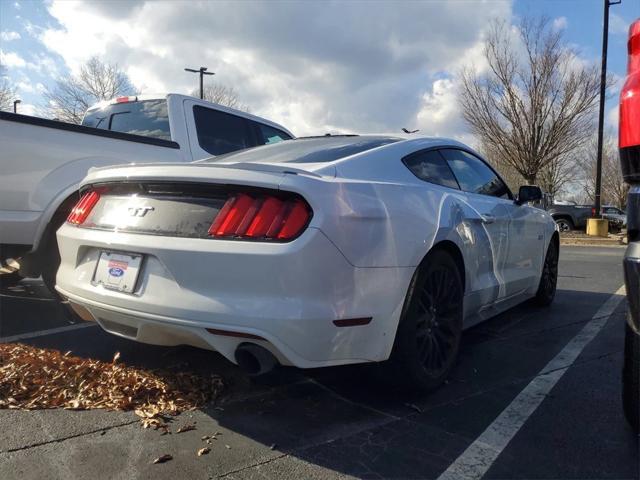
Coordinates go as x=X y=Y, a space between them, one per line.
x=15 y=105
x=202 y=71
x=603 y=86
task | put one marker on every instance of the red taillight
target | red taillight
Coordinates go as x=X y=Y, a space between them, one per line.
x=81 y=211
x=261 y=217
x=629 y=130
x=126 y=99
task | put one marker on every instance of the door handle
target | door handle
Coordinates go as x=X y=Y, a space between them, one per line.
x=487 y=218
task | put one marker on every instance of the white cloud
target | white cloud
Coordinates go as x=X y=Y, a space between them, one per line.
x=313 y=66
x=44 y=65
x=560 y=23
x=612 y=117
x=9 y=36
x=11 y=59
x=25 y=87
x=27 y=109
x=439 y=109
x=618 y=25
x=33 y=29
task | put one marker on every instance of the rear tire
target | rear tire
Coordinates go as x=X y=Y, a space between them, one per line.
x=549 y=279
x=428 y=336
x=631 y=378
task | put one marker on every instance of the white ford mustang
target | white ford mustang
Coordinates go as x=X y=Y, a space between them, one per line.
x=310 y=252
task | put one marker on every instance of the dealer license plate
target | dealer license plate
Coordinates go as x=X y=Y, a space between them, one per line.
x=118 y=271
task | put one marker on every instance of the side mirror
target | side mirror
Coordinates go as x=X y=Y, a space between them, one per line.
x=529 y=193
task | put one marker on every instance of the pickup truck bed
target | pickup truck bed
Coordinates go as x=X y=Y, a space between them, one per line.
x=42 y=161
x=44 y=172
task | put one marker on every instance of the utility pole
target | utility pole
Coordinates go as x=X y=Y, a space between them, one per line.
x=15 y=105
x=603 y=86
x=202 y=71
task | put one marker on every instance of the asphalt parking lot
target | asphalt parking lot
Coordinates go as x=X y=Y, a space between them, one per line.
x=518 y=404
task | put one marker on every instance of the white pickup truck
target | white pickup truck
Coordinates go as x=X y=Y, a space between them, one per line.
x=43 y=161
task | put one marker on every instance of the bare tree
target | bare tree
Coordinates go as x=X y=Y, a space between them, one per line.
x=536 y=103
x=557 y=175
x=509 y=174
x=7 y=91
x=614 y=189
x=222 y=95
x=97 y=81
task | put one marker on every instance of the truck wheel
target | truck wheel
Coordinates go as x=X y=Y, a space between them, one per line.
x=49 y=254
x=631 y=378
x=428 y=336
x=9 y=279
x=564 y=224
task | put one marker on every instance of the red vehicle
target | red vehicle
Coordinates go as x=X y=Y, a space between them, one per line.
x=629 y=143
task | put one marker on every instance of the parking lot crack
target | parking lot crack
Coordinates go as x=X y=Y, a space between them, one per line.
x=253 y=465
x=69 y=437
x=352 y=402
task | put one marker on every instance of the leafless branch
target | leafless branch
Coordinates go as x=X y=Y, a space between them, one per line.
x=97 y=81
x=7 y=91
x=536 y=104
x=222 y=95
x=614 y=189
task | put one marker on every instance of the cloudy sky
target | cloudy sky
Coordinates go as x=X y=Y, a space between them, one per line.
x=312 y=66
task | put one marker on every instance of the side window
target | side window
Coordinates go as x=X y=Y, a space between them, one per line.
x=474 y=175
x=220 y=132
x=431 y=167
x=268 y=135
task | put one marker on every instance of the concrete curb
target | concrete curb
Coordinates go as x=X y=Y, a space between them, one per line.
x=593 y=242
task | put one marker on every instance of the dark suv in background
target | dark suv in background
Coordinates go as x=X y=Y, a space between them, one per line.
x=629 y=143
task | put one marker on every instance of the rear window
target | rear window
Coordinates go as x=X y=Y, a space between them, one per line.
x=220 y=132
x=307 y=150
x=269 y=135
x=148 y=118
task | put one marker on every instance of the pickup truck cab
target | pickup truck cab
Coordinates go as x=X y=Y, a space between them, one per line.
x=43 y=161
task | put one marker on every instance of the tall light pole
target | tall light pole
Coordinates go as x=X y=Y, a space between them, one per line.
x=202 y=71
x=603 y=86
x=15 y=105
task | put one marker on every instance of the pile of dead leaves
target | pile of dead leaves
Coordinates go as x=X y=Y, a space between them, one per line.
x=34 y=378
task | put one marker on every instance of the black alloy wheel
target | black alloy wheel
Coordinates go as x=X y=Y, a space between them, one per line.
x=549 y=279
x=428 y=336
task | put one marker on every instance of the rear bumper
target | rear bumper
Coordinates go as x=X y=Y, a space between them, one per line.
x=283 y=296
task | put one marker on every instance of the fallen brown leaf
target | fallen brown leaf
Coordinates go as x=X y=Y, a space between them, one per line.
x=164 y=458
x=186 y=428
x=203 y=451
x=35 y=378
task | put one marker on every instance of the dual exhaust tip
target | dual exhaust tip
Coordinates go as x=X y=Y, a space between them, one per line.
x=254 y=359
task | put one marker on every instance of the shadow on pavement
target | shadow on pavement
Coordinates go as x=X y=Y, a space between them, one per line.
x=348 y=419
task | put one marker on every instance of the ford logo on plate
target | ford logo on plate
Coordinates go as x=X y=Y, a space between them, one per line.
x=116 y=272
